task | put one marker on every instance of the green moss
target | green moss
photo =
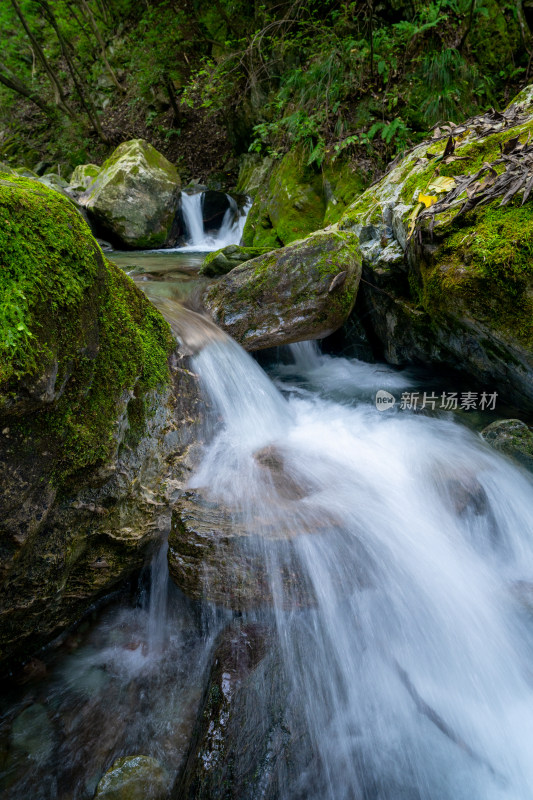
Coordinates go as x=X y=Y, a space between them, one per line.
x=220 y=262
x=41 y=236
x=343 y=184
x=485 y=262
x=289 y=207
x=471 y=157
x=79 y=312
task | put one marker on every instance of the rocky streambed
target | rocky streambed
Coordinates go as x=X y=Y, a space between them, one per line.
x=317 y=541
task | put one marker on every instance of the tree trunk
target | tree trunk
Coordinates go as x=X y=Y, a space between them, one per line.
x=12 y=82
x=172 y=98
x=96 y=30
x=86 y=103
x=58 y=91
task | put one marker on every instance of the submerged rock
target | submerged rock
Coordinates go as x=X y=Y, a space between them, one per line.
x=512 y=437
x=221 y=556
x=220 y=262
x=97 y=409
x=452 y=284
x=134 y=197
x=250 y=738
x=33 y=733
x=134 y=778
x=304 y=291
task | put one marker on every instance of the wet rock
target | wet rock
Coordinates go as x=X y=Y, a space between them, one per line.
x=220 y=555
x=33 y=733
x=133 y=199
x=292 y=199
x=289 y=295
x=220 y=262
x=250 y=738
x=512 y=437
x=91 y=454
x=272 y=459
x=134 y=778
x=214 y=207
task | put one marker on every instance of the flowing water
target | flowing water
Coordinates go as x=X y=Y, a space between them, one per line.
x=413 y=661
x=200 y=240
x=411 y=652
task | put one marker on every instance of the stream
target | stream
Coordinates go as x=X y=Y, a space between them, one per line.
x=405 y=628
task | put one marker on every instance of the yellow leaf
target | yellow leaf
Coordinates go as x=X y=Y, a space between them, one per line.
x=416 y=211
x=427 y=199
x=441 y=184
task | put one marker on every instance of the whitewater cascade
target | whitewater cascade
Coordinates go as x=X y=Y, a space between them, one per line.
x=412 y=663
x=198 y=240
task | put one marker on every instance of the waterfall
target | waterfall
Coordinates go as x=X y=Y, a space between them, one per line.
x=191 y=208
x=412 y=665
x=198 y=240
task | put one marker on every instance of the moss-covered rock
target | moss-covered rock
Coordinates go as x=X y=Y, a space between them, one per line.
x=512 y=437
x=220 y=262
x=89 y=386
x=292 y=199
x=459 y=291
x=83 y=176
x=134 y=778
x=135 y=195
x=304 y=291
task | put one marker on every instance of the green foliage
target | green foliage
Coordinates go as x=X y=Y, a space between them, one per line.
x=336 y=76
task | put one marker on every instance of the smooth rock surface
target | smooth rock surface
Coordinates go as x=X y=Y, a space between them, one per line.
x=135 y=196
x=134 y=778
x=304 y=291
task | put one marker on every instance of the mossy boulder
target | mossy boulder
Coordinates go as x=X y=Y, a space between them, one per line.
x=292 y=199
x=220 y=262
x=288 y=206
x=92 y=407
x=512 y=437
x=134 y=778
x=83 y=176
x=134 y=198
x=452 y=287
x=303 y=291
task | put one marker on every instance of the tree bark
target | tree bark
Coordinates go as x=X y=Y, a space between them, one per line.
x=59 y=95
x=12 y=82
x=96 y=30
x=85 y=101
x=172 y=98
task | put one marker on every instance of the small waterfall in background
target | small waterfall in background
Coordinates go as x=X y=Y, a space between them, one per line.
x=412 y=663
x=230 y=231
x=191 y=208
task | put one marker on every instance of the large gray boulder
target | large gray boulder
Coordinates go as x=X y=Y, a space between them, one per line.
x=304 y=291
x=134 y=197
